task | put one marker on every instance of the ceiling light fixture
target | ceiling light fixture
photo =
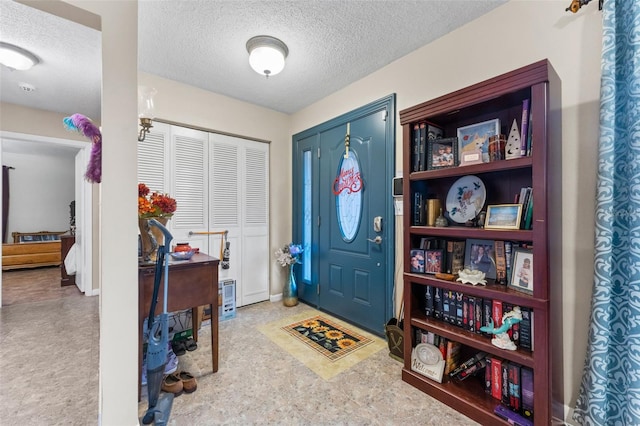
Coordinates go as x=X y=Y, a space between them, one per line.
x=16 y=58
x=267 y=54
x=146 y=110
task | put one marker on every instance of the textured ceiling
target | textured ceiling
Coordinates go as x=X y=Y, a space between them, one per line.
x=202 y=43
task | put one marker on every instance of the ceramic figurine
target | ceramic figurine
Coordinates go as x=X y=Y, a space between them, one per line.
x=441 y=221
x=501 y=339
x=467 y=276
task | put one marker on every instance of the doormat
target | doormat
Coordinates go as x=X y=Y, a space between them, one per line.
x=327 y=337
x=324 y=344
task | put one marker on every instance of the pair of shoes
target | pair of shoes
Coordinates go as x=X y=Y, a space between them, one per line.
x=189 y=383
x=190 y=345
x=172 y=384
x=179 y=348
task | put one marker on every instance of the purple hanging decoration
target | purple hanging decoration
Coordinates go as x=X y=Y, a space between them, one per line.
x=84 y=125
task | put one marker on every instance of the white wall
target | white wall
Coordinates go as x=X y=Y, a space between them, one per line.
x=511 y=36
x=41 y=188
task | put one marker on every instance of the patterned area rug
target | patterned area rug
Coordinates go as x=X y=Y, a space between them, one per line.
x=324 y=344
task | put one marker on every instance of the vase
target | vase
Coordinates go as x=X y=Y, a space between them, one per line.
x=290 y=290
x=151 y=238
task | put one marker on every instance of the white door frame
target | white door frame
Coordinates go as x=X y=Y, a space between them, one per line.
x=85 y=209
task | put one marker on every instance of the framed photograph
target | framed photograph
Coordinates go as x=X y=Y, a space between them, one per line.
x=522 y=270
x=480 y=256
x=442 y=153
x=473 y=141
x=434 y=261
x=417 y=261
x=503 y=216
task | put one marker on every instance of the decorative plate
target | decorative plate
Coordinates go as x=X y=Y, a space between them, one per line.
x=466 y=198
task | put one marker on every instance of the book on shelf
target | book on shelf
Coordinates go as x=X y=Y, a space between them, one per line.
x=514 y=387
x=438 y=303
x=468 y=363
x=526 y=328
x=530 y=133
x=524 y=127
x=487 y=375
x=423 y=147
x=505 y=382
x=501 y=263
x=529 y=214
x=457 y=262
x=446 y=305
x=453 y=356
x=415 y=148
x=459 y=301
x=428 y=296
x=475 y=369
x=418 y=209
x=487 y=312
x=507 y=255
x=526 y=390
x=467 y=312
x=442 y=345
x=496 y=312
x=511 y=417
x=496 y=378
x=477 y=308
x=514 y=331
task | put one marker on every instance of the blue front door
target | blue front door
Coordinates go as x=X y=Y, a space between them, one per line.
x=345 y=216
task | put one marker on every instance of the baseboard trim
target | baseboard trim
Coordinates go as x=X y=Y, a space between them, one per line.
x=92 y=292
x=275 y=297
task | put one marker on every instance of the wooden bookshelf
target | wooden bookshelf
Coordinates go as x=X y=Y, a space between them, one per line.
x=500 y=97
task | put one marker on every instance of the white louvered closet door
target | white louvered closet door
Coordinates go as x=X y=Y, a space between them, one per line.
x=189 y=186
x=236 y=176
x=255 y=205
x=152 y=157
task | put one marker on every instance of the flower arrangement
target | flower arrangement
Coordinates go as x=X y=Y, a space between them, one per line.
x=154 y=204
x=289 y=254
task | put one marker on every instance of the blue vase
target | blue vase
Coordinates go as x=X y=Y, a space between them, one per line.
x=290 y=290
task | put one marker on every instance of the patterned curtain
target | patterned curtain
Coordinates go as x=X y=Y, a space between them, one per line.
x=610 y=389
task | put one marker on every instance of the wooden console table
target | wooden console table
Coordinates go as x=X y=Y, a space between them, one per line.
x=192 y=283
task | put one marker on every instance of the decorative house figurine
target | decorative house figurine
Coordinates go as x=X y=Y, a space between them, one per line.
x=501 y=339
x=513 y=147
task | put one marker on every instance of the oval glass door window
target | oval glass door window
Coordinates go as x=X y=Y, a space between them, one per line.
x=347 y=187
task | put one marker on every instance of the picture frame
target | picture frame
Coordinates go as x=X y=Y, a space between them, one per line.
x=480 y=255
x=522 y=270
x=473 y=141
x=433 y=261
x=503 y=216
x=442 y=153
x=417 y=262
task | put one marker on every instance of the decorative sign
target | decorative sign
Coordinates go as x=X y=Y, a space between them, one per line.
x=427 y=360
x=347 y=187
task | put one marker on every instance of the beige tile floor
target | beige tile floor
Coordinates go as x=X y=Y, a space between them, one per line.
x=49 y=376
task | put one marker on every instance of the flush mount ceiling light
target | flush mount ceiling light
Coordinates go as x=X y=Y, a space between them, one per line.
x=16 y=58
x=267 y=54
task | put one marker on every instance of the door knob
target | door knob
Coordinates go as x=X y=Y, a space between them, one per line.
x=377 y=240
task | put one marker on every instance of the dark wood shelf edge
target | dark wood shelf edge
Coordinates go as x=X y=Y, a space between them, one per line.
x=470 y=404
x=463 y=232
x=467 y=338
x=475 y=169
x=493 y=291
